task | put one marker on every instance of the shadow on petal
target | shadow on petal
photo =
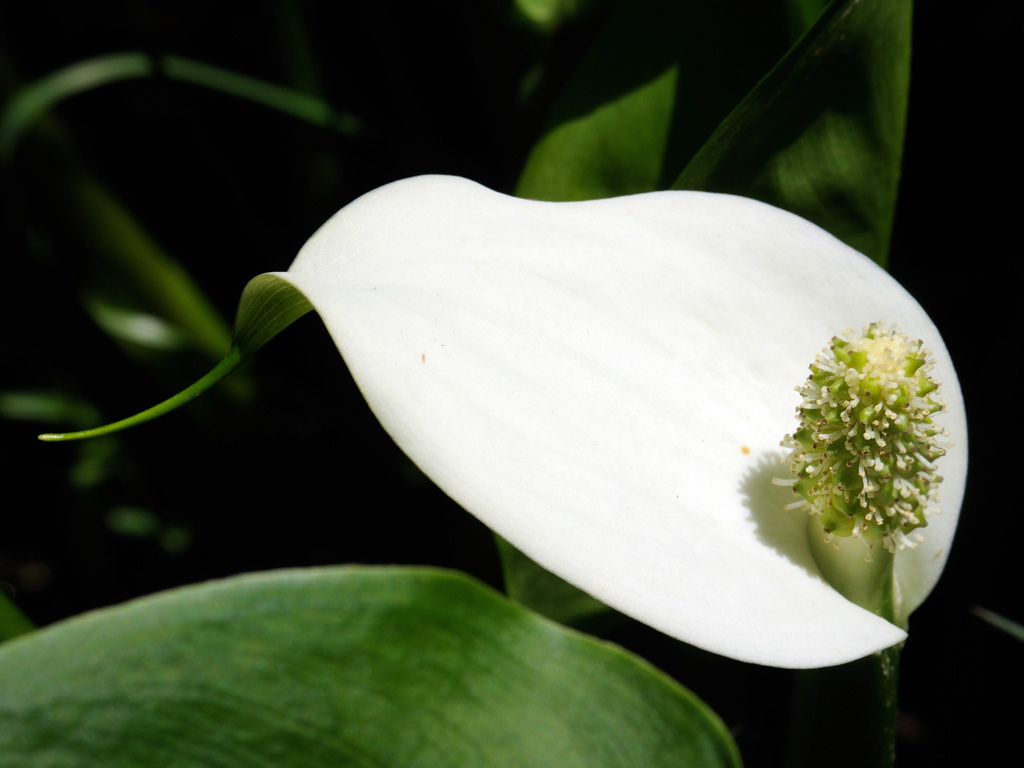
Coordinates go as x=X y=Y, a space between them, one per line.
x=784 y=531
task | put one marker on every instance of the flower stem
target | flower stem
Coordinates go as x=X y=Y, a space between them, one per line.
x=845 y=716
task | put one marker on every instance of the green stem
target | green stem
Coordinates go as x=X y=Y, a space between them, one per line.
x=845 y=716
x=232 y=360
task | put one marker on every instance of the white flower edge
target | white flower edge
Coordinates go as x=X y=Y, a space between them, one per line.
x=605 y=384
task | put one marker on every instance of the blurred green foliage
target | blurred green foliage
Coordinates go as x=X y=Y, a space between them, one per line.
x=157 y=156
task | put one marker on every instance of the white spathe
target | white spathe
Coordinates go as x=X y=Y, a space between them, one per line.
x=605 y=384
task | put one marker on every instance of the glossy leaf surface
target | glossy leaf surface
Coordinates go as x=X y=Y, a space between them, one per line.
x=822 y=134
x=341 y=666
x=647 y=94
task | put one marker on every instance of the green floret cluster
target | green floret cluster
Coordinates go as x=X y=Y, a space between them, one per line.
x=864 y=454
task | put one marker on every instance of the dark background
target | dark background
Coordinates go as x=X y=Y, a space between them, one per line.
x=300 y=473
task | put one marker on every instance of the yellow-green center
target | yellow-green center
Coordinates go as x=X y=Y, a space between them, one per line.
x=863 y=457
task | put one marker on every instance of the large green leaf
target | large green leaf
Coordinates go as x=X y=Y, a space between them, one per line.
x=340 y=667
x=656 y=81
x=822 y=134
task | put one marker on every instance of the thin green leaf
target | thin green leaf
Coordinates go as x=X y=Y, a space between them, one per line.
x=1012 y=628
x=298 y=58
x=268 y=306
x=291 y=102
x=131 y=281
x=130 y=275
x=45 y=406
x=135 y=268
x=31 y=101
x=822 y=134
x=340 y=666
x=37 y=98
x=551 y=14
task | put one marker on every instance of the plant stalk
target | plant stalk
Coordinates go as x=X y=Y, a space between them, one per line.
x=845 y=716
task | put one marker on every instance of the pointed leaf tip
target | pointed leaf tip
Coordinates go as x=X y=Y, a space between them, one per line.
x=232 y=360
x=606 y=383
x=268 y=305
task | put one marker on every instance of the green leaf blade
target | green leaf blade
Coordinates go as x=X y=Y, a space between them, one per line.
x=12 y=621
x=538 y=589
x=822 y=134
x=341 y=666
x=656 y=81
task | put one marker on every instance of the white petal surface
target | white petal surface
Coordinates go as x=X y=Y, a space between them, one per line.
x=605 y=384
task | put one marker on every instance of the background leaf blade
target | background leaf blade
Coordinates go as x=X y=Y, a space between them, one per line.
x=341 y=666
x=652 y=87
x=822 y=134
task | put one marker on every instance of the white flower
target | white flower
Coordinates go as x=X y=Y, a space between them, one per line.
x=606 y=384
